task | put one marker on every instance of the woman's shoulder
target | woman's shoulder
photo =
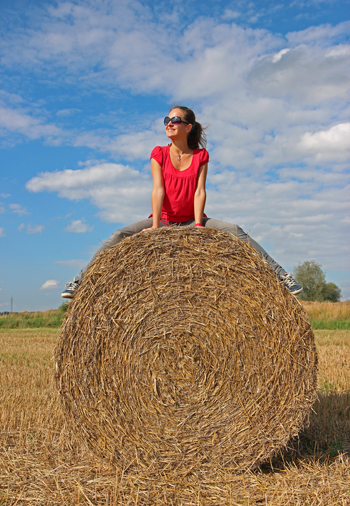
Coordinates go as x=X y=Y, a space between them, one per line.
x=202 y=154
x=158 y=151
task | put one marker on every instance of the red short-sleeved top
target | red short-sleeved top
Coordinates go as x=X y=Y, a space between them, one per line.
x=179 y=186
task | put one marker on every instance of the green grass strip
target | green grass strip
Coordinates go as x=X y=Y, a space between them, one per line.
x=51 y=319
x=54 y=318
x=330 y=324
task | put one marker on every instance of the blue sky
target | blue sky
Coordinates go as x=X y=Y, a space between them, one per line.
x=85 y=85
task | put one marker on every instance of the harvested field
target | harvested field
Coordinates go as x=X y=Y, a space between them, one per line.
x=328 y=315
x=43 y=463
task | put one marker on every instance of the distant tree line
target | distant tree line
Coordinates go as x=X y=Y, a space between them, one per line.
x=312 y=278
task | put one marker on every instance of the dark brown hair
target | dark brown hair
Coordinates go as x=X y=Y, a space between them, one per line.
x=196 y=138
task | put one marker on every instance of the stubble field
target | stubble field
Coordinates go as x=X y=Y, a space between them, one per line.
x=42 y=462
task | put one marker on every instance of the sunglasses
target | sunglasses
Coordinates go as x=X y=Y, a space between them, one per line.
x=176 y=120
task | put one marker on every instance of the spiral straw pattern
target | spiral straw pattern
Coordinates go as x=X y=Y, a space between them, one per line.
x=182 y=353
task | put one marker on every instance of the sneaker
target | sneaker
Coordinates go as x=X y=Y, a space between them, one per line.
x=70 y=289
x=291 y=284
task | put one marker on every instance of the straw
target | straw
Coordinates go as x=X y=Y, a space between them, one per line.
x=182 y=355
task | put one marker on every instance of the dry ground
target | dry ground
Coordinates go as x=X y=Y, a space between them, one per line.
x=42 y=462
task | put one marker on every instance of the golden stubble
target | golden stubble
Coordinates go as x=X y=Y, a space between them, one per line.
x=43 y=463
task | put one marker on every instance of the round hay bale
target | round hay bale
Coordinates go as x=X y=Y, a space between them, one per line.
x=181 y=352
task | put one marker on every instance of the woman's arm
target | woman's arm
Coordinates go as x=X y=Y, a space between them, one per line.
x=200 y=194
x=157 y=192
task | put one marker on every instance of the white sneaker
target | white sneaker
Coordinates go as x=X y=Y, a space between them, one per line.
x=291 y=284
x=70 y=289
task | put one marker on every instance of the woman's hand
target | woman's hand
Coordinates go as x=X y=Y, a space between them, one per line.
x=150 y=228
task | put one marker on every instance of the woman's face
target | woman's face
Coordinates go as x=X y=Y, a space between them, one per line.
x=177 y=130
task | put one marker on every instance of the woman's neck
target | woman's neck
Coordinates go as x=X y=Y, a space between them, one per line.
x=180 y=146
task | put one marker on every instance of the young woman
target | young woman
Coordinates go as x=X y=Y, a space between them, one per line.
x=179 y=172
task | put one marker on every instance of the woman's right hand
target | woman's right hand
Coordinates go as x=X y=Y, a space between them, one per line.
x=150 y=228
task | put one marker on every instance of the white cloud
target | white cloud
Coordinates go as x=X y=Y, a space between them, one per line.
x=279 y=55
x=22 y=122
x=328 y=144
x=259 y=96
x=67 y=112
x=76 y=184
x=319 y=35
x=277 y=108
x=2 y=232
x=291 y=218
x=18 y=209
x=12 y=98
x=130 y=146
x=230 y=14
x=35 y=229
x=78 y=227
x=303 y=73
x=50 y=284
x=113 y=188
x=31 y=229
x=216 y=55
x=4 y=195
x=339 y=50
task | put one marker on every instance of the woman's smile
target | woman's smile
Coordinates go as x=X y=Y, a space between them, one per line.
x=171 y=129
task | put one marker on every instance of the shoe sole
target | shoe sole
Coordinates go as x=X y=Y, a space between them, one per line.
x=67 y=295
x=296 y=291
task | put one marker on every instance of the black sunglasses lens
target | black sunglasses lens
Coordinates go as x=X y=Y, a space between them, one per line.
x=175 y=120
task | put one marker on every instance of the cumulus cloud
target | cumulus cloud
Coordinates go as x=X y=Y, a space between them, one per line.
x=50 y=284
x=230 y=14
x=219 y=54
x=18 y=209
x=323 y=35
x=279 y=55
x=304 y=73
x=277 y=107
x=35 y=229
x=78 y=227
x=31 y=229
x=67 y=112
x=23 y=122
x=113 y=188
x=75 y=184
x=260 y=92
x=2 y=232
x=328 y=144
x=291 y=217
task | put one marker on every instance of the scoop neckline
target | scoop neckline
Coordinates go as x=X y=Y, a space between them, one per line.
x=177 y=170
